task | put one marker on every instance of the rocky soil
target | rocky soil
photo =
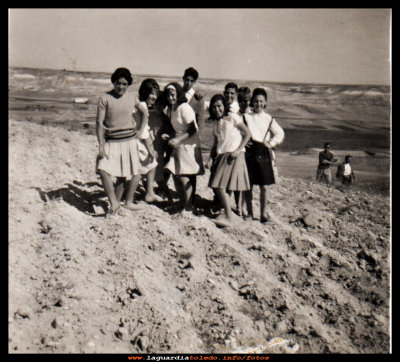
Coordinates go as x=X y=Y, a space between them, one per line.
x=318 y=273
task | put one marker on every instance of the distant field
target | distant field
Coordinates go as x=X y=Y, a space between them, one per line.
x=304 y=139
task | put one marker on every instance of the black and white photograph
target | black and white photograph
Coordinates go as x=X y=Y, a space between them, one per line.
x=139 y=225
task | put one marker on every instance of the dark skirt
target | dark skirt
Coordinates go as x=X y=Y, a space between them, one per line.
x=259 y=164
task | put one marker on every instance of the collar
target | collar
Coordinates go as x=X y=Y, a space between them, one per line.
x=190 y=93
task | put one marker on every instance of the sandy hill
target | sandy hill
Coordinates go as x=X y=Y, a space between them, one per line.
x=317 y=274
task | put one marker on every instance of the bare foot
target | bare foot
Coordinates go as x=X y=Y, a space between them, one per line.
x=153 y=198
x=113 y=213
x=133 y=207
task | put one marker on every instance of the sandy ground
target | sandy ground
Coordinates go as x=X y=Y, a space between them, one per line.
x=318 y=273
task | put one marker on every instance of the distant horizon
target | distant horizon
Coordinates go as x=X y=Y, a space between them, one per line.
x=208 y=78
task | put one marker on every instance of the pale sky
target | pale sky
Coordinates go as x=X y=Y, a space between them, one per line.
x=341 y=46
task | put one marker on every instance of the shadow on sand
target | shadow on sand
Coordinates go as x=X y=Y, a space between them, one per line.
x=85 y=197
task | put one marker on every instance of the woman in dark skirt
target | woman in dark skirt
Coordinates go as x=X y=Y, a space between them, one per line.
x=259 y=153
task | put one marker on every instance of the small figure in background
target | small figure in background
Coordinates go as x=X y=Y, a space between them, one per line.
x=325 y=161
x=344 y=172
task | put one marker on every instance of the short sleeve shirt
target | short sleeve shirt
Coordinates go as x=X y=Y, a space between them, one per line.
x=181 y=119
x=138 y=118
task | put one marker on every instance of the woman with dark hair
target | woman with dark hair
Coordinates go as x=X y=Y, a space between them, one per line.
x=260 y=156
x=147 y=154
x=186 y=161
x=158 y=124
x=228 y=171
x=118 y=144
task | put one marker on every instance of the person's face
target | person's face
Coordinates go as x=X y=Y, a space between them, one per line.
x=120 y=86
x=218 y=108
x=327 y=147
x=244 y=103
x=259 y=103
x=230 y=95
x=348 y=160
x=172 y=96
x=151 y=99
x=188 y=82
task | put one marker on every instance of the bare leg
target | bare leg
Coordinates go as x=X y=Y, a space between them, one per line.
x=150 y=195
x=178 y=185
x=238 y=201
x=119 y=188
x=133 y=184
x=264 y=197
x=179 y=188
x=193 y=180
x=163 y=187
x=109 y=189
x=248 y=198
x=226 y=202
x=187 y=191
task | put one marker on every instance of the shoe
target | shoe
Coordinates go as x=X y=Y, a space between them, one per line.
x=266 y=218
x=175 y=208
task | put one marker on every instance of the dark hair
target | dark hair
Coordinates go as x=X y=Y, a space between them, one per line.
x=147 y=86
x=180 y=93
x=259 y=91
x=231 y=85
x=191 y=72
x=215 y=98
x=347 y=157
x=326 y=144
x=245 y=90
x=121 y=73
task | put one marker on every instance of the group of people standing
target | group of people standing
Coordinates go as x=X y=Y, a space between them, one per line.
x=157 y=134
x=344 y=172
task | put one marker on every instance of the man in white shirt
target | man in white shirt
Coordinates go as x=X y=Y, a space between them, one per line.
x=195 y=99
x=344 y=172
x=230 y=94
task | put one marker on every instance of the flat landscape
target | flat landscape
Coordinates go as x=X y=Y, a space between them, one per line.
x=317 y=275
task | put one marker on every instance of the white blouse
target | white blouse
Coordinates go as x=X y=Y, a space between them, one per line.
x=137 y=116
x=180 y=120
x=259 y=123
x=228 y=134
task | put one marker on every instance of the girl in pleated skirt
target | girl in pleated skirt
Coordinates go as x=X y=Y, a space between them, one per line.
x=227 y=161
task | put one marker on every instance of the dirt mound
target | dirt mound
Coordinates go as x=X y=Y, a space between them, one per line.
x=317 y=274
